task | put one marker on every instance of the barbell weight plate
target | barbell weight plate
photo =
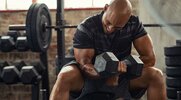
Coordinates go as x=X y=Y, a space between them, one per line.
x=178 y=42
x=174 y=82
x=39 y=37
x=28 y=25
x=173 y=60
x=173 y=71
x=172 y=92
x=172 y=51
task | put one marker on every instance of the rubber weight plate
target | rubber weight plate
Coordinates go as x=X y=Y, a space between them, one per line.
x=172 y=51
x=28 y=25
x=173 y=82
x=39 y=37
x=178 y=42
x=172 y=93
x=173 y=61
x=173 y=71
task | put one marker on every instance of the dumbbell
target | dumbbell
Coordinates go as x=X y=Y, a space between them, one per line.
x=32 y=74
x=10 y=73
x=20 y=39
x=106 y=64
x=21 y=43
x=7 y=43
x=2 y=64
x=14 y=34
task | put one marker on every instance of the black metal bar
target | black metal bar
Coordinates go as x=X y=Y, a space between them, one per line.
x=43 y=94
x=178 y=95
x=60 y=33
x=145 y=25
x=162 y=25
x=45 y=78
x=35 y=91
x=61 y=26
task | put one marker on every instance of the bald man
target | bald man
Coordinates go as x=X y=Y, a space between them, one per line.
x=115 y=29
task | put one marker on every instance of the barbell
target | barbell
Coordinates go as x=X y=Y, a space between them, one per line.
x=38 y=27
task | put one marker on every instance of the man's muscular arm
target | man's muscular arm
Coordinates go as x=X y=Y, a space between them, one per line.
x=145 y=49
x=84 y=58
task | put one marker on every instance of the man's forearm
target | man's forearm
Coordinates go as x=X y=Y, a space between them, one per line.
x=149 y=61
x=88 y=68
x=84 y=61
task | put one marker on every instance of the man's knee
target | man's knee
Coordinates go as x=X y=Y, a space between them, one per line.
x=68 y=73
x=150 y=75
x=70 y=76
x=154 y=75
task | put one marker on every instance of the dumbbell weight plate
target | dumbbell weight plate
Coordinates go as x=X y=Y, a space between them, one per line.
x=29 y=75
x=10 y=75
x=21 y=43
x=2 y=65
x=106 y=64
x=134 y=66
x=7 y=44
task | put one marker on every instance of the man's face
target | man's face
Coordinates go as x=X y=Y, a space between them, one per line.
x=112 y=21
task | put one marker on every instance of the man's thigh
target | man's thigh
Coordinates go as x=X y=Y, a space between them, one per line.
x=72 y=75
x=139 y=85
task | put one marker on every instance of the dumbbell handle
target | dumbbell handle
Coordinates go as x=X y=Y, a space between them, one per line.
x=127 y=62
x=17 y=27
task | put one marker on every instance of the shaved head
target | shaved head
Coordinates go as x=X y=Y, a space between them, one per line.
x=120 y=6
x=116 y=14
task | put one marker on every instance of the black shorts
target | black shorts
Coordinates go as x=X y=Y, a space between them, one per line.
x=99 y=86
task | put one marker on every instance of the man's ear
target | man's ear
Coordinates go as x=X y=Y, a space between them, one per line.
x=106 y=7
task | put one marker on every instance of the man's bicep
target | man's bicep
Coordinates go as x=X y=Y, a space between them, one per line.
x=84 y=56
x=143 y=45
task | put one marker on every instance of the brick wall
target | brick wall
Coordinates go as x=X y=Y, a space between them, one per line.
x=72 y=17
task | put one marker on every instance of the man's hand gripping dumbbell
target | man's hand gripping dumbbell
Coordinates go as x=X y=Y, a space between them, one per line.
x=108 y=66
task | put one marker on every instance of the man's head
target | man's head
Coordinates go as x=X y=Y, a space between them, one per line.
x=116 y=15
